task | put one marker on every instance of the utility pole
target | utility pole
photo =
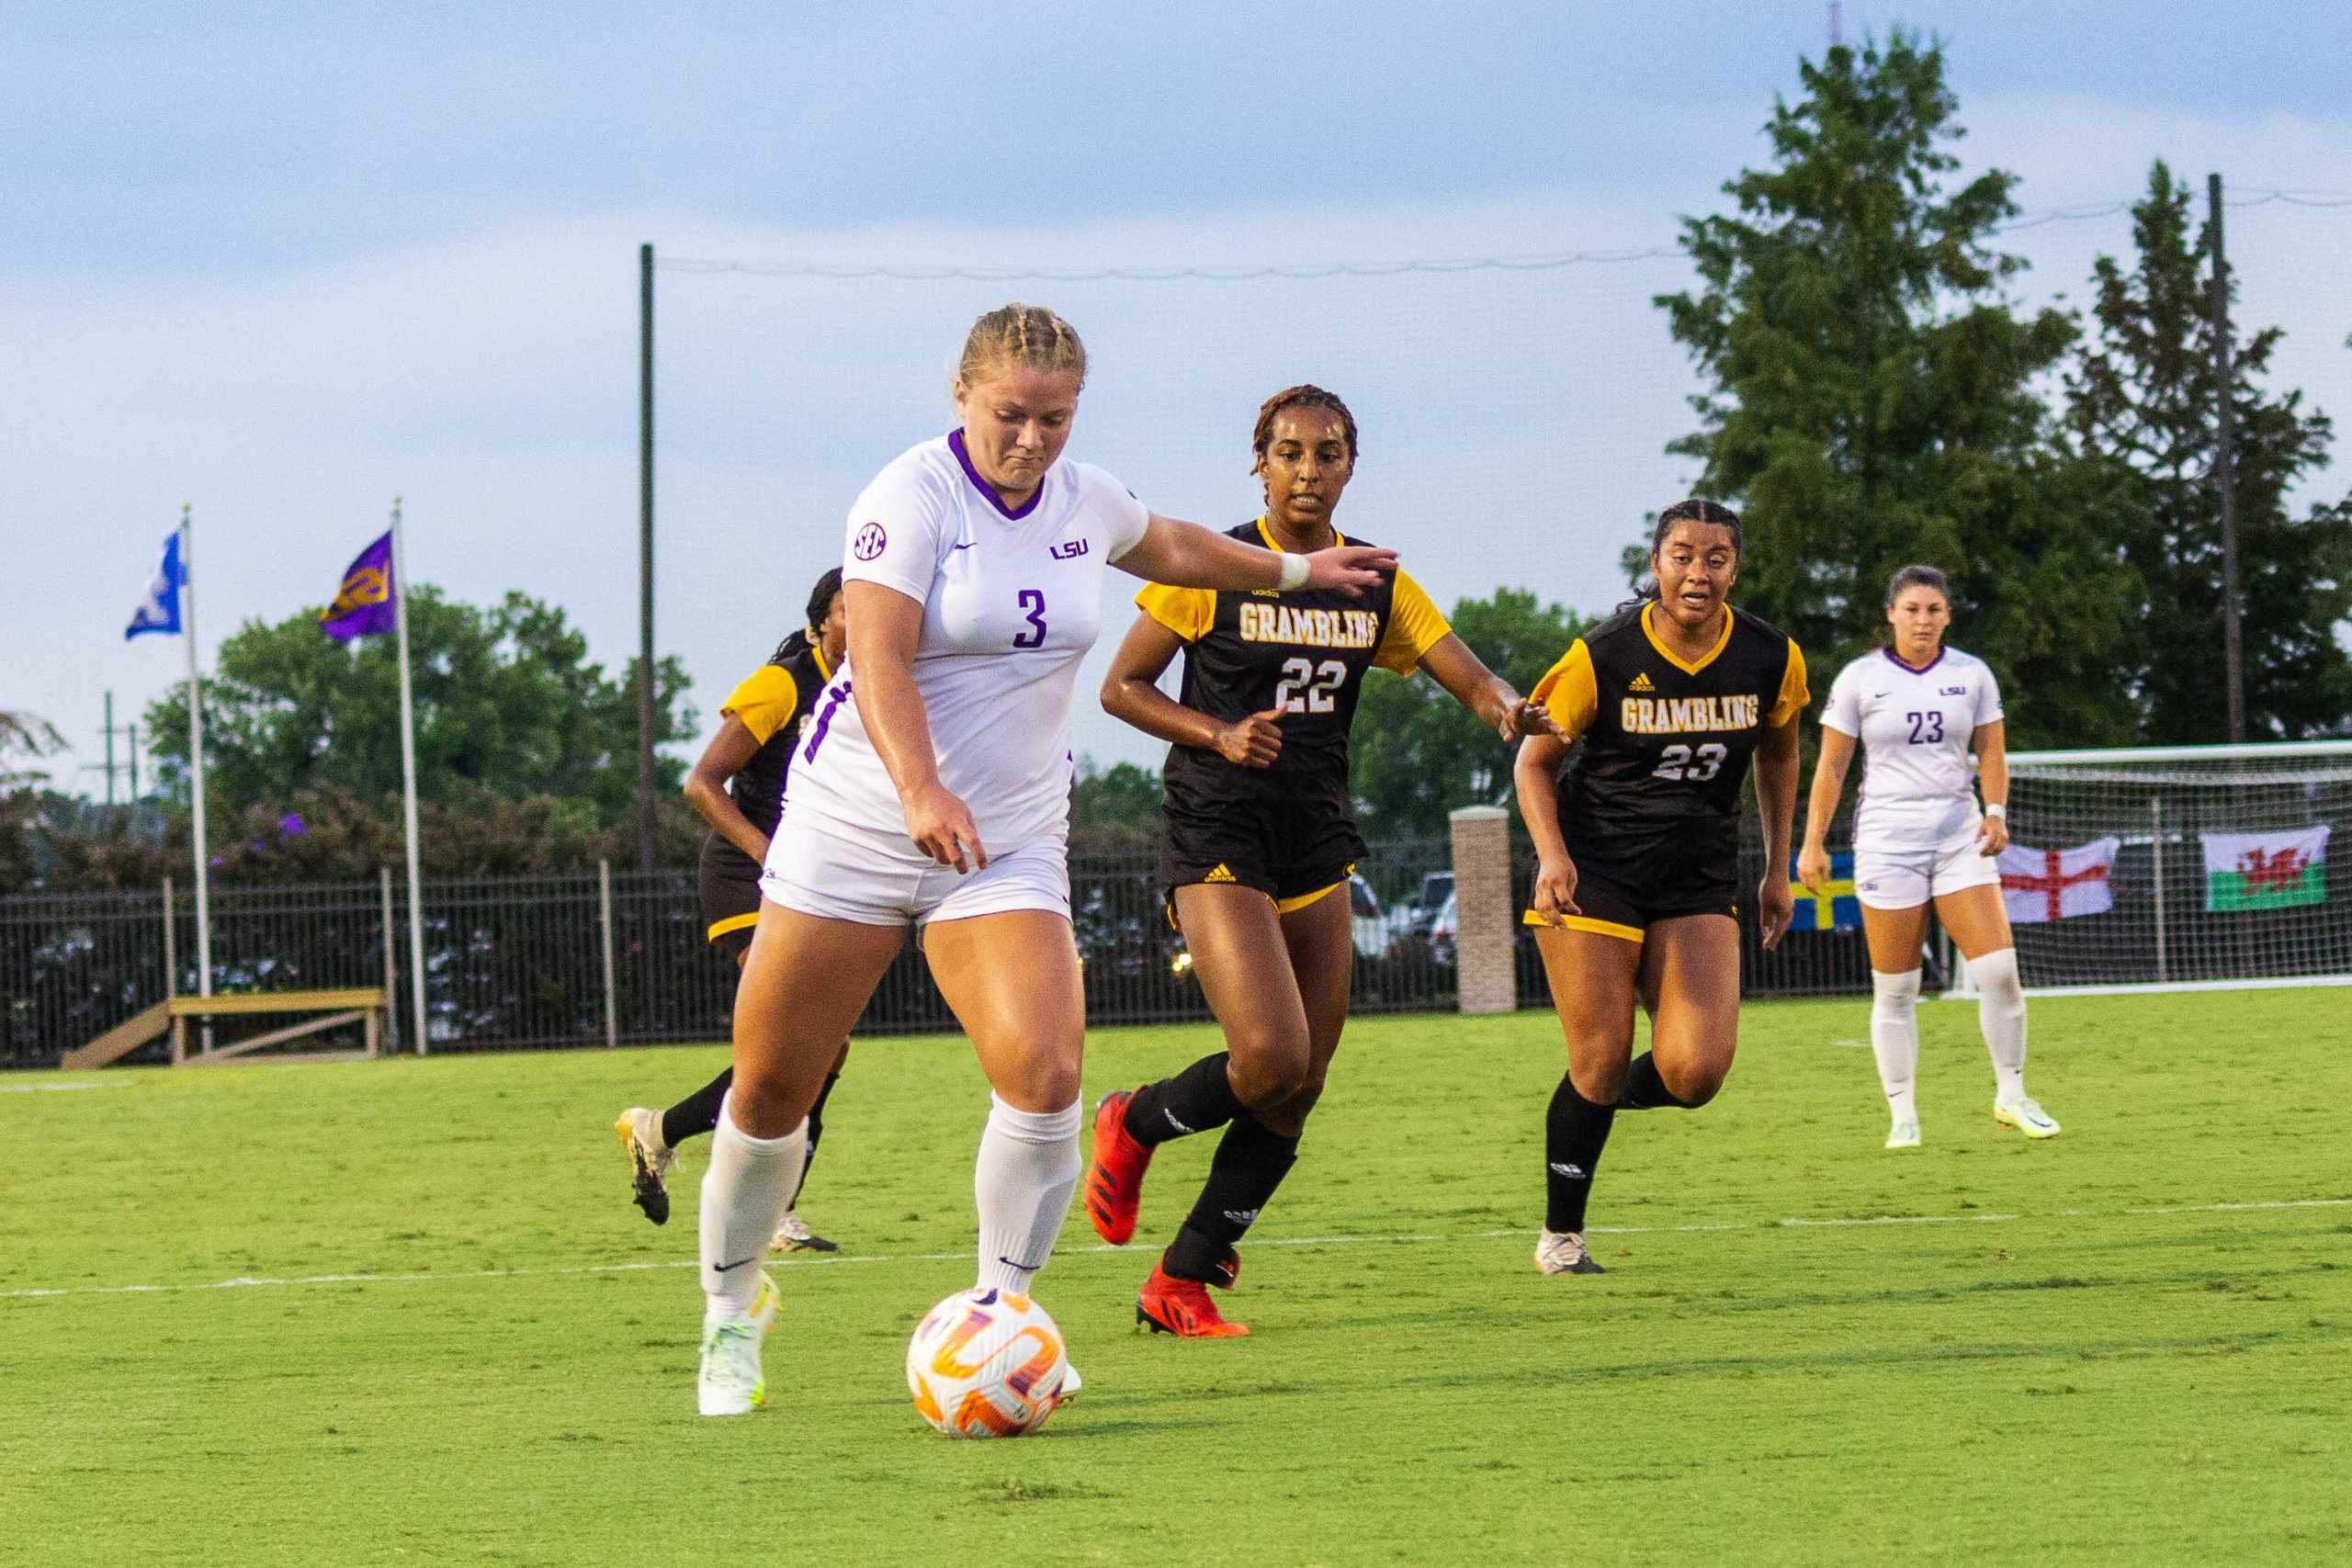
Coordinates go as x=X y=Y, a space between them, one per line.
x=1834 y=38
x=645 y=558
x=130 y=732
x=2225 y=474
x=110 y=750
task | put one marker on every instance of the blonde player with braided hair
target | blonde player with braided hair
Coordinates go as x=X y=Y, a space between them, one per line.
x=1261 y=838
x=933 y=789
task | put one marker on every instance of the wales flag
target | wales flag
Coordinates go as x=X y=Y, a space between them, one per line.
x=2264 y=871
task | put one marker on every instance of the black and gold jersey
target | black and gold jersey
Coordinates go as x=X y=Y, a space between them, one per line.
x=774 y=702
x=1305 y=652
x=1666 y=744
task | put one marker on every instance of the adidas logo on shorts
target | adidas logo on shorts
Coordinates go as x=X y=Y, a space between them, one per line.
x=1640 y=683
x=1222 y=873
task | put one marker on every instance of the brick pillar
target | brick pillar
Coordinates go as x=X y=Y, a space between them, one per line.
x=1484 y=922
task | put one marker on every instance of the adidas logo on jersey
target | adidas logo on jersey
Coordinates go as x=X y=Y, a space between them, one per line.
x=1222 y=873
x=1641 y=683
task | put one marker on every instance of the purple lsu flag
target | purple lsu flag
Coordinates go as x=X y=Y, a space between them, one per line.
x=363 y=606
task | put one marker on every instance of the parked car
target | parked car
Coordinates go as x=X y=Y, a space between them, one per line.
x=1364 y=922
x=1435 y=889
x=1442 y=929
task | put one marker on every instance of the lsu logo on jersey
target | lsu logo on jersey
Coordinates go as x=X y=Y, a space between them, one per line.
x=1688 y=716
x=1067 y=550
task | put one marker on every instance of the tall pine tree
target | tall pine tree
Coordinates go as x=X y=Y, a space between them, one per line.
x=1873 y=401
x=2143 y=397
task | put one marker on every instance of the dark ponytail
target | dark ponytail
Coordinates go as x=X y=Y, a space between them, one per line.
x=1695 y=509
x=1917 y=577
x=820 y=604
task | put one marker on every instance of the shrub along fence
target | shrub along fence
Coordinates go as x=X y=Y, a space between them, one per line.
x=518 y=962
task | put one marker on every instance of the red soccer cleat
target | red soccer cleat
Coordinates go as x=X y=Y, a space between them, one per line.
x=1114 y=1178
x=1182 y=1307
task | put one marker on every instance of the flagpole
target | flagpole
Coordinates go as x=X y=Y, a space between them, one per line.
x=196 y=754
x=401 y=585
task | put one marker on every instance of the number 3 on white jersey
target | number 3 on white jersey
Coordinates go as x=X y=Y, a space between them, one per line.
x=1306 y=687
x=1676 y=763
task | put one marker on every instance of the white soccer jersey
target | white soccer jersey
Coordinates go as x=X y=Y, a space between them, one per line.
x=1914 y=726
x=1011 y=602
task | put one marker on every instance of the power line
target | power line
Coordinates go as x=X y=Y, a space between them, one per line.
x=1540 y=262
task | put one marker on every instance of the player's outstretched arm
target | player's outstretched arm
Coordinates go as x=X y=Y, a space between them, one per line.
x=705 y=789
x=1991 y=742
x=1130 y=694
x=1776 y=802
x=1535 y=780
x=1185 y=555
x=1465 y=675
x=1821 y=805
x=884 y=625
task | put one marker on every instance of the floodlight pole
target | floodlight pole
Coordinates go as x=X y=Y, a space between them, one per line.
x=645 y=558
x=2225 y=475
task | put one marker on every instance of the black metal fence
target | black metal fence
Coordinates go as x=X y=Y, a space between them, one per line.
x=518 y=962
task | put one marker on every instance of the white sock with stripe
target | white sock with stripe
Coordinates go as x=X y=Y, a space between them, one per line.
x=744 y=1193
x=1895 y=1040
x=2000 y=1012
x=1028 y=1168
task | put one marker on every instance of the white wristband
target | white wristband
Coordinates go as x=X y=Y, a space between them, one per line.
x=1294 y=570
x=1997 y=809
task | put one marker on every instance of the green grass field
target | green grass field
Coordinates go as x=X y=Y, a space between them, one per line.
x=403 y=1311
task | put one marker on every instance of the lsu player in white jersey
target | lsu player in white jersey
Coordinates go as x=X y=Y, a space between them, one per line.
x=1917 y=709
x=932 y=788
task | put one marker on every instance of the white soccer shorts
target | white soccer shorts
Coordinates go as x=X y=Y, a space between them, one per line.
x=1890 y=878
x=881 y=879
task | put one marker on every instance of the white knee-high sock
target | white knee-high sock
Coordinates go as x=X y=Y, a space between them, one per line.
x=2000 y=1011
x=744 y=1193
x=1027 y=1171
x=1894 y=1039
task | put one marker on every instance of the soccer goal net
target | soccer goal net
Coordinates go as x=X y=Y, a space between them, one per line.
x=2186 y=867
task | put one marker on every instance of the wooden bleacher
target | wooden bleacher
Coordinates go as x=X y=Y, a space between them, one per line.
x=362 y=1005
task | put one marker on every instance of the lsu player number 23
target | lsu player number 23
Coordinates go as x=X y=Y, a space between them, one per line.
x=1636 y=887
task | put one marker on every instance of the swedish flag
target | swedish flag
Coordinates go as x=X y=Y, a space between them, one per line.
x=1835 y=908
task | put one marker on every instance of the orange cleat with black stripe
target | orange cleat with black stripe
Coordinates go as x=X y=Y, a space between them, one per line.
x=1114 y=1177
x=1182 y=1307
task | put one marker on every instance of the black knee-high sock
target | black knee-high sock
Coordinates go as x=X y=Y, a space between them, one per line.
x=1575 y=1132
x=816 y=1131
x=1199 y=1097
x=697 y=1113
x=1645 y=1089
x=1249 y=1163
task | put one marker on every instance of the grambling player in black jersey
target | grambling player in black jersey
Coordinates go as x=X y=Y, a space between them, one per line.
x=1260 y=836
x=1636 y=886
x=738 y=786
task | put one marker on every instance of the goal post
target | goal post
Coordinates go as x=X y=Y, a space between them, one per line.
x=2179 y=868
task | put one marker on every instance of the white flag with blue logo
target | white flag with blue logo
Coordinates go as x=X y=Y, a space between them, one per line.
x=160 y=610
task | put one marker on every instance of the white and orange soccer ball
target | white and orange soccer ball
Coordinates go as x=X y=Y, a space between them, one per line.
x=988 y=1364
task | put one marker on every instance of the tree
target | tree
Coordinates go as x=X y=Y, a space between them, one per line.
x=1873 y=401
x=2142 y=395
x=1418 y=753
x=508 y=706
x=21 y=736
x=1116 y=810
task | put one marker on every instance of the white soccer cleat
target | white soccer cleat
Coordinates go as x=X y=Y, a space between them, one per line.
x=1070 y=1384
x=731 y=1381
x=1905 y=1135
x=1562 y=1252
x=793 y=1235
x=649 y=1159
x=2027 y=1117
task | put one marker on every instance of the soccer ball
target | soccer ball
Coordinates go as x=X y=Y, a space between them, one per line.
x=987 y=1364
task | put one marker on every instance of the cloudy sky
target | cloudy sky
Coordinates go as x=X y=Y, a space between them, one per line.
x=282 y=262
